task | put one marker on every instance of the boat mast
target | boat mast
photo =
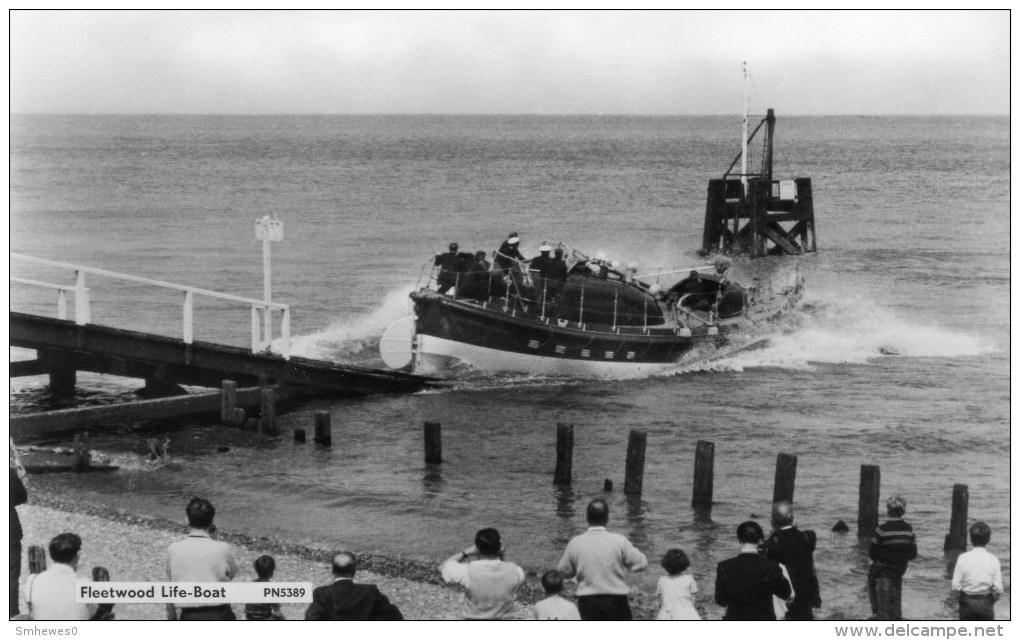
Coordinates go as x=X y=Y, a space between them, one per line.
x=743 y=138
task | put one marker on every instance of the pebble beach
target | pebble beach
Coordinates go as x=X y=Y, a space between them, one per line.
x=133 y=549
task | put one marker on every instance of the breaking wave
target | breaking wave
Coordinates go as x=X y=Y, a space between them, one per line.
x=355 y=336
x=841 y=329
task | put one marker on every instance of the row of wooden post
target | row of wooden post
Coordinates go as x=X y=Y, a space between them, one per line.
x=704 y=463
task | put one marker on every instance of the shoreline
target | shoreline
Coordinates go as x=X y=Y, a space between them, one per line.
x=133 y=548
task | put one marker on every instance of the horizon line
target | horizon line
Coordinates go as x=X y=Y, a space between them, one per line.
x=501 y=114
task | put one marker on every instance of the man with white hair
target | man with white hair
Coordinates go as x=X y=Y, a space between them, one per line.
x=794 y=549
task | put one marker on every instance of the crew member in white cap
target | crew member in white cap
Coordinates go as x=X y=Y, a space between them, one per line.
x=507 y=253
x=538 y=268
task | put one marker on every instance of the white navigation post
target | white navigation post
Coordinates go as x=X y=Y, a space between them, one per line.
x=743 y=138
x=268 y=230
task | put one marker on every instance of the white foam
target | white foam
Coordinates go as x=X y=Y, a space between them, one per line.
x=841 y=328
x=350 y=335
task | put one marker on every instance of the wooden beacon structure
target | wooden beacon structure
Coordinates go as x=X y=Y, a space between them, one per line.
x=754 y=213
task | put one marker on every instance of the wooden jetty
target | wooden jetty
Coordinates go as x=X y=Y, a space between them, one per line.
x=64 y=346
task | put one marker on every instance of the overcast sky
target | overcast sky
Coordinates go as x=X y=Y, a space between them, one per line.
x=673 y=62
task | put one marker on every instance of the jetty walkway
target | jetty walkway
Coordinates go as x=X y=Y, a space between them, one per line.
x=66 y=345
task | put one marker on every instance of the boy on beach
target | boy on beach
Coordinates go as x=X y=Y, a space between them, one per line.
x=977 y=578
x=265 y=567
x=892 y=546
x=555 y=606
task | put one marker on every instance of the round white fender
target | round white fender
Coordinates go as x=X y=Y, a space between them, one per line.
x=396 y=344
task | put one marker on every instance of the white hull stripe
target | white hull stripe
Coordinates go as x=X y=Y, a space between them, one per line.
x=435 y=353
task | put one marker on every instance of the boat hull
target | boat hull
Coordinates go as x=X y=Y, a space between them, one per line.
x=485 y=336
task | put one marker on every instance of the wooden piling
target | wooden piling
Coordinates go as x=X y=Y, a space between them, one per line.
x=704 y=462
x=299 y=435
x=786 y=476
x=36 y=559
x=433 y=443
x=228 y=402
x=956 y=539
x=635 y=471
x=268 y=423
x=323 y=429
x=867 y=506
x=81 y=457
x=240 y=417
x=564 y=453
x=607 y=485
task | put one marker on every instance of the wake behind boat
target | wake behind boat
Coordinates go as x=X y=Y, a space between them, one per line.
x=574 y=315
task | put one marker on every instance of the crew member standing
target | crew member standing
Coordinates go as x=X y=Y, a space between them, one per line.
x=509 y=254
x=451 y=267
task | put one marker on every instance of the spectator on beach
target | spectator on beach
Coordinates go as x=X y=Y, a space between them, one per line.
x=977 y=577
x=794 y=549
x=491 y=582
x=265 y=567
x=746 y=583
x=675 y=591
x=893 y=545
x=346 y=600
x=50 y=595
x=600 y=560
x=199 y=558
x=555 y=606
x=18 y=496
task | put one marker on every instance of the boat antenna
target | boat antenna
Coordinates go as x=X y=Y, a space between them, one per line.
x=743 y=137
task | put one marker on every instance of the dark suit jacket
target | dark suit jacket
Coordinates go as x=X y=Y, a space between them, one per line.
x=344 y=600
x=745 y=585
x=795 y=549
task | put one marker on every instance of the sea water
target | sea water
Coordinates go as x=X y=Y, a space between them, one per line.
x=898 y=355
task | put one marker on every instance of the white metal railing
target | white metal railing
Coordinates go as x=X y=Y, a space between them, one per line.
x=83 y=311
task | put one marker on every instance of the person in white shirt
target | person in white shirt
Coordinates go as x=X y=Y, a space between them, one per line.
x=491 y=582
x=51 y=594
x=555 y=606
x=199 y=558
x=977 y=578
x=600 y=560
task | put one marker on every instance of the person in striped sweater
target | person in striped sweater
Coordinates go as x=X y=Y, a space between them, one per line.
x=893 y=545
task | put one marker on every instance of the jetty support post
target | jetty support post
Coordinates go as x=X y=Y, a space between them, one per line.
x=433 y=443
x=36 y=559
x=228 y=402
x=956 y=539
x=564 y=453
x=635 y=470
x=867 y=507
x=323 y=429
x=268 y=423
x=81 y=458
x=704 y=462
x=299 y=435
x=786 y=476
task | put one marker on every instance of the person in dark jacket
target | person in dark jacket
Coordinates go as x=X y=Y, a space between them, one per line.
x=555 y=280
x=892 y=546
x=476 y=279
x=509 y=254
x=746 y=583
x=452 y=265
x=345 y=600
x=18 y=496
x=794 y=549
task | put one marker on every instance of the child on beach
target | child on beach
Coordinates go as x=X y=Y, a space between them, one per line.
x=676 y=591
x=265 y=567
x=555 y=606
